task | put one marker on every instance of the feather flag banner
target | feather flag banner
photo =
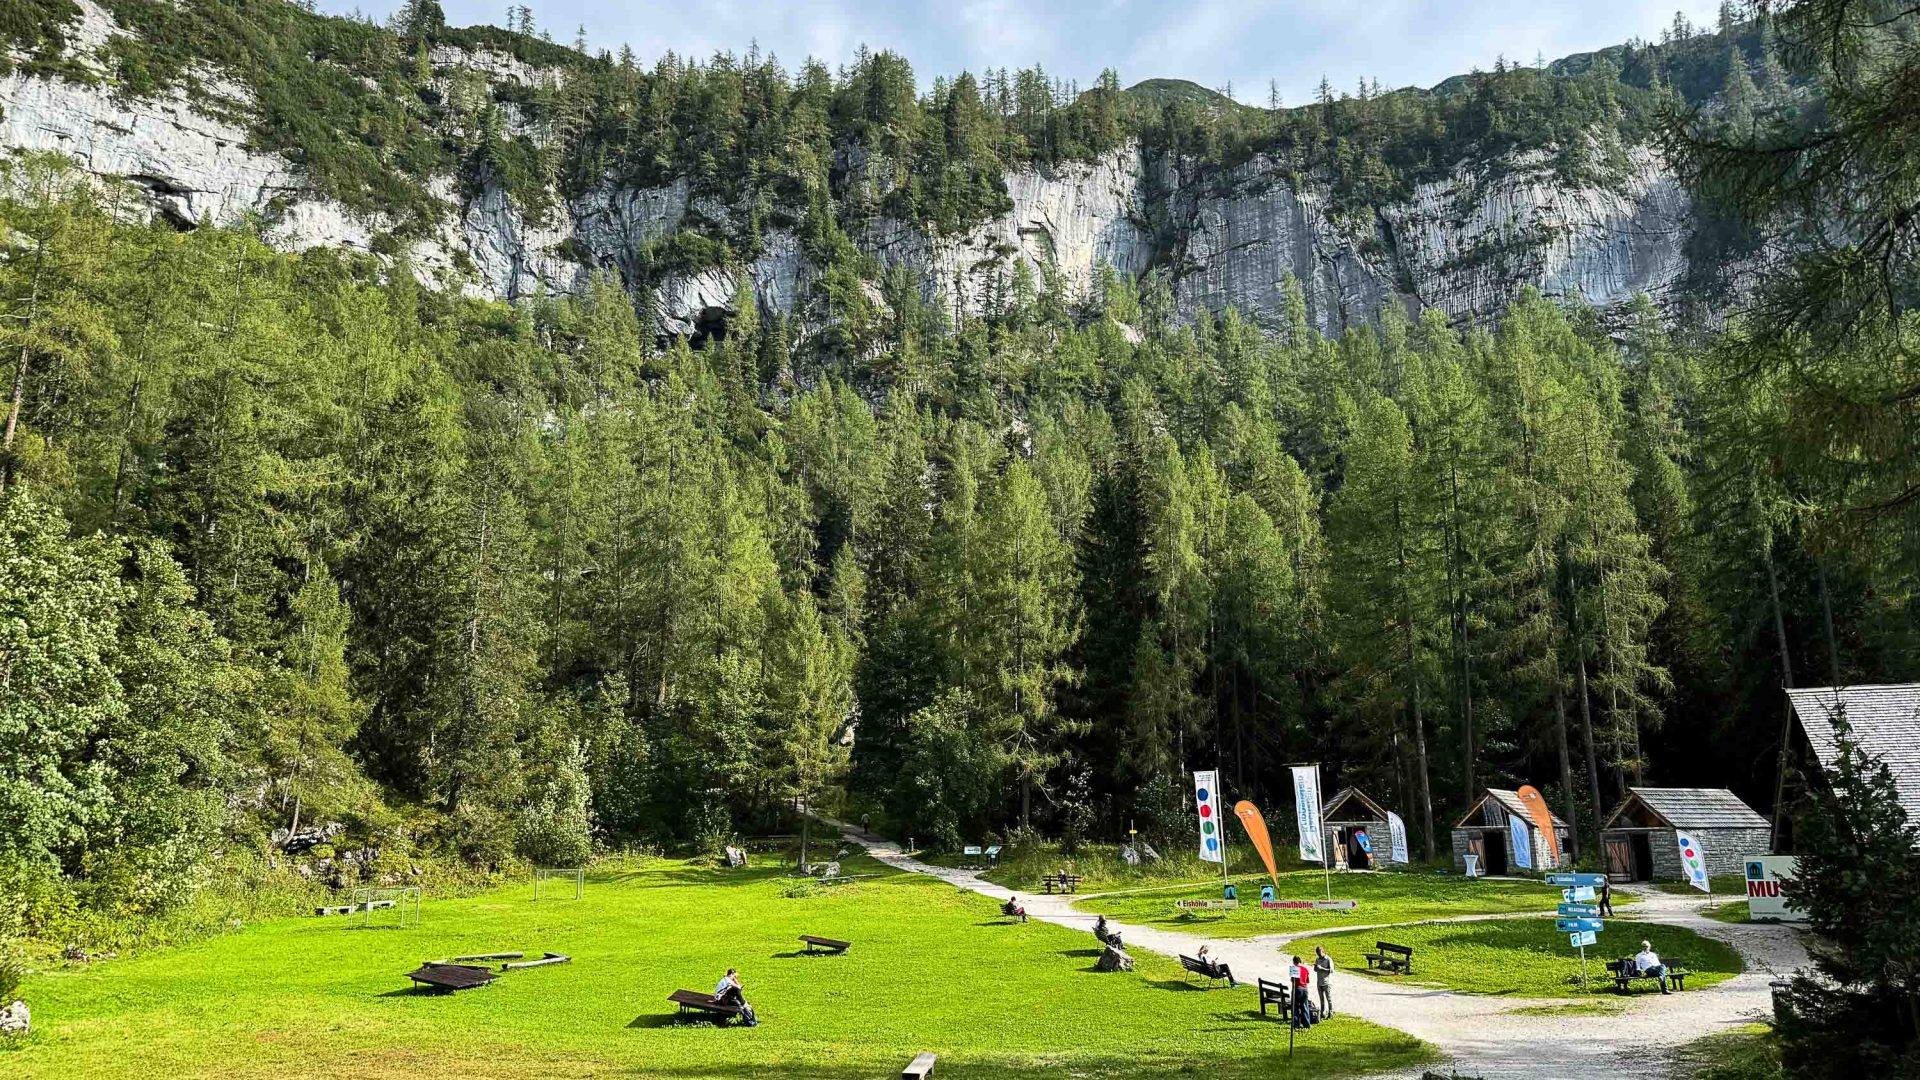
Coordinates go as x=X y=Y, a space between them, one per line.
x=1256 y=827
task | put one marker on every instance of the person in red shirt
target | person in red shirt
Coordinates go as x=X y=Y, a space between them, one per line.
x=1301 y=973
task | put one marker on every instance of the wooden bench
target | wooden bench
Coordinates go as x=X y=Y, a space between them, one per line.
x=919 y=1068
x=1107 y=937
x=832 y=945
x=698 y=1006
x=1009 y=910
x=1212 y=970
x=1066 y=883
x=1397 y=959
x=450 y=976
x=1279 y=995
x=1623 y=982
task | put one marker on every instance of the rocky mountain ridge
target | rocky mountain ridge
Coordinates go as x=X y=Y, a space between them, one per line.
x=1224 y=237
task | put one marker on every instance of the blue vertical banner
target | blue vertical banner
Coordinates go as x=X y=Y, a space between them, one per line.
x=1306 y=812
x=1206 y=798
x=1521 y=835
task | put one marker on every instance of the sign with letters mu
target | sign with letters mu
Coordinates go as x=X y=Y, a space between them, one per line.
x=1764 y=899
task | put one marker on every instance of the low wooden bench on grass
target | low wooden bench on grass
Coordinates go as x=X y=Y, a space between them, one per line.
x=450 y=976
x=1397 y=959
x=1011 y=911
x=695 y=1005
x=1066 y=883
x=1623 y=982
x=1212 y=970
x=831 y=945
x=1279 y=995
x=919 y=1068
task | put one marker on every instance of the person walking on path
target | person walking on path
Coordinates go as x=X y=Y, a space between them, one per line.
x=1323 y=967
x=1606 y=897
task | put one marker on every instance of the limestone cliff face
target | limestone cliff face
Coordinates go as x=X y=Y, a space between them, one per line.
x=1465 y=244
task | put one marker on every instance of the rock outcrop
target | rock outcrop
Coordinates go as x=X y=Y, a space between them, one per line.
x=1464 y=244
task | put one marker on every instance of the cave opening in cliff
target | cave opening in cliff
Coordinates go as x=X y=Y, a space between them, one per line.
x=709 y=325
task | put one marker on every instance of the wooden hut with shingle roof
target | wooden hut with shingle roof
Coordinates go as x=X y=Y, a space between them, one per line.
x=1484 y=834
x=1883 y=721
x=1640 y=839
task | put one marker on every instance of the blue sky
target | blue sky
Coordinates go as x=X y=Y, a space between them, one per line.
x=1213 y=42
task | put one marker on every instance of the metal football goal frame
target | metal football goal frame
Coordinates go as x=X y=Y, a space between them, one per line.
x=547 y=878
x=403 y=901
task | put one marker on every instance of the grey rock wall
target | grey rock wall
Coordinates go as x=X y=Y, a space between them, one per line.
x=1465 y=244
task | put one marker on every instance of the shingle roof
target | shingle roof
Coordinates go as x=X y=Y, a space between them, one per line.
x=1509 y=801
x=1700 y=808
x=1885 y=724
x=1378 y=812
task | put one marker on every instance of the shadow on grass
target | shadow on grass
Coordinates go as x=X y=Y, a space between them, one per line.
x=1080 y=952
x=1174 y=984
x=654 y=1020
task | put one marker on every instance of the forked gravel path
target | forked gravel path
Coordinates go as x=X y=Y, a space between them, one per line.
x=1482 y=1035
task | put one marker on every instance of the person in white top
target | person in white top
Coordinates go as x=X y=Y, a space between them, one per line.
x=728 y=992
x=1647 y=962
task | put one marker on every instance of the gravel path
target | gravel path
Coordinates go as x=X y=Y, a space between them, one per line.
x=1482 y=1035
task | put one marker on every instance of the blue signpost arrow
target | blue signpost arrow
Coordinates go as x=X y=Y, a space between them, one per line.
x=1575 y=880
x=1576 y=921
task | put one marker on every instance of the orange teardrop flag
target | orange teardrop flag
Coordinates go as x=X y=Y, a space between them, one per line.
x=1542 y=817
x=1256 y=827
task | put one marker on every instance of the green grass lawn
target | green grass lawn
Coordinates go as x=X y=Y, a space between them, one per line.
x=1528 y=957
x=1745 y=1053
x=932 y=968
x=1722 y=885
x=1380 y=897
x=1099 y=865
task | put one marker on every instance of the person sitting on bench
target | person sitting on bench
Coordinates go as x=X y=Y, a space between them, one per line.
x=1012 y=907
x=729 y=993
x=1100 y=929
x=1647 y=962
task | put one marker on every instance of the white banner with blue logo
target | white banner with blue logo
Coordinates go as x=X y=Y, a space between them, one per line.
x=1522 y=837
x=1397 y=833
x=1206 y=798
x=1306 y=811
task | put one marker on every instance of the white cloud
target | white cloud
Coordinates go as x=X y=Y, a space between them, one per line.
x=1212 y=42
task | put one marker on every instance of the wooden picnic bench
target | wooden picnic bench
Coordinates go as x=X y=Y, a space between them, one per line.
x=450 y=976
x=1212 y=970
x=1389 y=957
x=919 y=1068
x=1279 y=995
x=1066 y=883
x=698 y=1006
x=832 y=945
x=1625 y=973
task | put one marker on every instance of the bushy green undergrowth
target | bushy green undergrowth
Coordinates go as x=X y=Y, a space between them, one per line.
x=931 y=968
x=1529 y=958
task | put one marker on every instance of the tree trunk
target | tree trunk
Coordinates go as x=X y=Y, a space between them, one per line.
x=1786 y=680
x=21 y=364
x=1423 y=785
x=1586 y=729
x=1566 y=765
